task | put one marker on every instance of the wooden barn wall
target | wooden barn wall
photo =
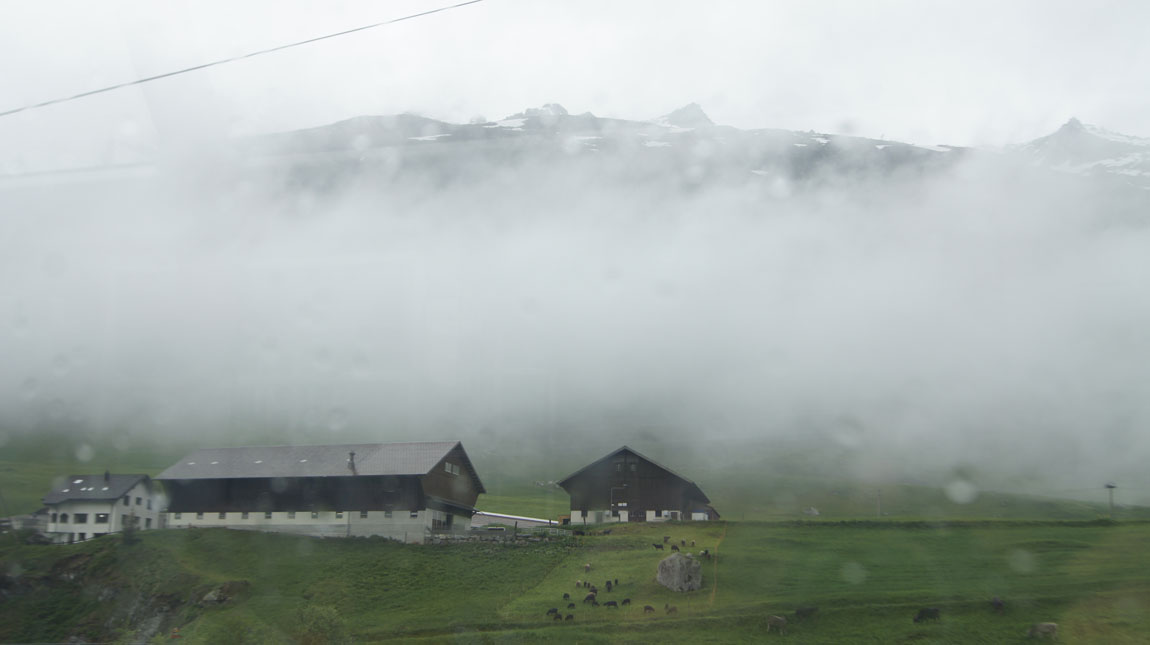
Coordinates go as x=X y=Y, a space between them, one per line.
x=457 y=488
x=295 y=494
x=648 y=487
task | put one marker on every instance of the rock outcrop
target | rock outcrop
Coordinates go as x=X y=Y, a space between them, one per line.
x=679 y=572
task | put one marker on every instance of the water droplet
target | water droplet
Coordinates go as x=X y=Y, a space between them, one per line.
x=62 y=364
x=336 y=419
x=85 y=452
x=961 y=491
x=854 y=573
x=30 y=388
x=1022 y=561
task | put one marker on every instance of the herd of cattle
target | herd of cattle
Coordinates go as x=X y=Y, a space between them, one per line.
x=774 y=623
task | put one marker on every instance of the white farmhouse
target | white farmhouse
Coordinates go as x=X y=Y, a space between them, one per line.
x=82 y=507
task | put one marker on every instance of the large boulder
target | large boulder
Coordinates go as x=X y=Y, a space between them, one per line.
x=679 y=572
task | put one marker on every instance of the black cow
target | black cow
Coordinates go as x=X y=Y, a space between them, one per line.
x=553 y=610
x=802 y=613
x=611 y=603
x=927 y=613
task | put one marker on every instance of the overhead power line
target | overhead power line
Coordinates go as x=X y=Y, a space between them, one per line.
x=233 y=59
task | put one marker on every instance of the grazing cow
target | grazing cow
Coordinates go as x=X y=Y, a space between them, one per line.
x=674 y=547
x=553 y=610
x=802 y=613
x=692 y=543
x=682 y=543
x=648 y=609
x=616 y=582
x=566 y=596
x=594 y=589
x=658 y=546
x=1044 y=630
x=670 y=609
x=570 y=605
x=611 y=603
x=589 y=598
x=558 y=617
x=626 y=601
x=570 y=617
x=606 y=531
x=997 y=605
x=778 y=623
x=608 y=585
x=587 y=568
x=928 y=613
x=578 y=584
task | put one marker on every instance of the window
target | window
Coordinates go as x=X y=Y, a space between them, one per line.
x=83 y=536
x=451 y=468
x=80 y=518
x=291 y=515
x=440 y=521
x=124 y=519
x=414 y=514
x=54 y=518
x=339 y=515
x=139 y=501
x=148 y=523
x=200 y=515
x=126 y=500
x=363 y=515
x=177 y=516
x=244 y=515
x=387 y=515
x=268 y=515
x=63 y=518
x=101 y=518
x=658 y=513
x=223 y=516
x=315 y=515
x=149 y=504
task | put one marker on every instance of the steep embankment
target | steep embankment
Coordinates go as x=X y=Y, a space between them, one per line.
x=231 y=586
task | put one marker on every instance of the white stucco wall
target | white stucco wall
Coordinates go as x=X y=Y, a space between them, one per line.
x=400 y=526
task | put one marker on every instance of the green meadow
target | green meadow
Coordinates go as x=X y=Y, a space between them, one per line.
x=1049 y=559
x=868 y=580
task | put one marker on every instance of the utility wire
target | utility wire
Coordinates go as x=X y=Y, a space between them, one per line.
x=235 y=58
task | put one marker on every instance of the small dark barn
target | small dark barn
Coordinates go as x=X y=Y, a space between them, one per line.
x=625 y=486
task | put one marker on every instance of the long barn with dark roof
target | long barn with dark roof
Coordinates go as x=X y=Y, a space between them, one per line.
x=625 y=486
x=404 y=491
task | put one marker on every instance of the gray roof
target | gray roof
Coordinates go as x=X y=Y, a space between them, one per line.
x=92 y=487
x=310 y=461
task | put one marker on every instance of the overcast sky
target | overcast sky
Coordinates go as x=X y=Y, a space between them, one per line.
x=962 y=73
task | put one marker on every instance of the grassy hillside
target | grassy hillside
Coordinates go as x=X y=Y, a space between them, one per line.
x=868 y=580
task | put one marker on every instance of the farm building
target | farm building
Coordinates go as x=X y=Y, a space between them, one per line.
x=403 y=491
x=625 y=486
x=86 y=506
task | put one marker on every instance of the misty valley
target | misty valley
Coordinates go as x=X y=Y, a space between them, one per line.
x=570 y=377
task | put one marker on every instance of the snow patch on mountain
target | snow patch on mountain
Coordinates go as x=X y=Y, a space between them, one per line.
x=685 y=119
